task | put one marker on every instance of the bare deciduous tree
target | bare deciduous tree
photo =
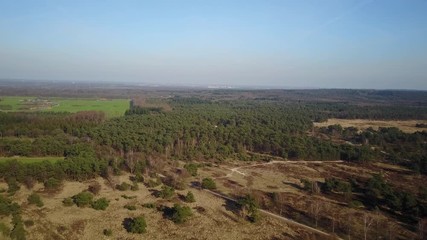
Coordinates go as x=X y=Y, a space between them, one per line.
x=367 y=220
x=315 y=210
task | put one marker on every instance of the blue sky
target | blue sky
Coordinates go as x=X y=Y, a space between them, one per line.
x=315 y=44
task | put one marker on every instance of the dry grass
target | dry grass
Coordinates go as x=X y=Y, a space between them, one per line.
x=361 y=124
x=284 y=179
x=216 y=221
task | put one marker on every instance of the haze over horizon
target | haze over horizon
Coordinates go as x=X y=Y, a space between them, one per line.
x=379 y=44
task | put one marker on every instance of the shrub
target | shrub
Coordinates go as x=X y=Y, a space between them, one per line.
x=83 y=199
x=18 y=231
x=128 y=197
x=100 y=204
x=208 y=183
x=94 y=188
x=149 y=205
x=13 y=186
x=52 y=184
x=135 y=225
x=123 y=187
x=249 y=205
x=180 y=214
x=8 y=207
x=108 y=232
x=190 y=197
x=34 y=198
x=134 y=187
x=191 y=168
x=153 y=183
x=166 y=192
x=139 y=178
x=130 y=207
x=68 y=202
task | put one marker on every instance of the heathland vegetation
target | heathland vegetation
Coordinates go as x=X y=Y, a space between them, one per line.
x=187 y=133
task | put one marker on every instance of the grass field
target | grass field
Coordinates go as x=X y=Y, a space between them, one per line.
x=112 y=107
x=32 y=159
x=406 y=126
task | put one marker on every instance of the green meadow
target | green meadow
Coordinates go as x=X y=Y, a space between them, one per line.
x=111 y=107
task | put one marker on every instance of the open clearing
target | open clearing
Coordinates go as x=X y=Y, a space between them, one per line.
x=111 y=107
x=216 y=220
x=31 y=159
x=406 y=126
x=284 y=178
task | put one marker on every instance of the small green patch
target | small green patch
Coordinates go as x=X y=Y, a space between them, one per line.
x=32 y=159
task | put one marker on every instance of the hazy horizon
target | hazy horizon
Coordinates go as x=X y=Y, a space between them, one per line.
x=280 y=44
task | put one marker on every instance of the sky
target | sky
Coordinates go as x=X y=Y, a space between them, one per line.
x=379 y=44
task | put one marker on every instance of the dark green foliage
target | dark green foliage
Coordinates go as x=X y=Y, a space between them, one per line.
x=18 y=232
x=124 y=186
x=7 y=207
x=191 y=168
x=249 y=205
x=34 y=198
x=190 y=197
x=135 y=225
x=107 y=232
x=83 y=199
x=100 y=204
x=13 y=185
x=139 y=178
x=333 y=184
x=68 y=202
x=52 y=184
x=208 y=183
x=166 y=192
x=179 y=213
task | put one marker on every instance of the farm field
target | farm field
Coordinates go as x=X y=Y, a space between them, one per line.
x=32 y=159
x=407 y=126
x=111 y=107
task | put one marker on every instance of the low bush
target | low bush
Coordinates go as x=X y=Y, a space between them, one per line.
x=135 y=225
x=107 y=232
x=123 y=187
x=68 y=202
x=190 y=197
x=100 y=204
x=83 y=199
x=208 y=183
x=130 y=207
x=34 y=198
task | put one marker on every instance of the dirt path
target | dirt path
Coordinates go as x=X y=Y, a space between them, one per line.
x=286 y=220
x=236 y=169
